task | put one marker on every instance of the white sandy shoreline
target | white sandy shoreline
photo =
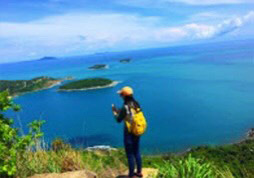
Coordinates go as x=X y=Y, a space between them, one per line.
x=93 y=88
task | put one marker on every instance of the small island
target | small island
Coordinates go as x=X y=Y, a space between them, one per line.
x=88 y=84
x=18 y=87
x=98 y=67
x=47 y=58
x=126 y=60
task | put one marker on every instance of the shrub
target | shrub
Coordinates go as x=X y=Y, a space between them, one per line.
x=187 y=168
x=10 y=142
x=58 y=144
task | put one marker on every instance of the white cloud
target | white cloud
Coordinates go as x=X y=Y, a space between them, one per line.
x=71 y=34
x=209 y=17
x=204 y=31
x=166 y=3
x=199 y=31
x=62 y=33
x=234 y=24
x=210 y=2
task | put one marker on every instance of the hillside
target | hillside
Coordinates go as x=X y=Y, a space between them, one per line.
x=17 y=87
x=230 y=161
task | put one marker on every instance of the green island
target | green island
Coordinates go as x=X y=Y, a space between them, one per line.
x=85 y=84
x=28 y=155
x=126 y=60
x=98 y=67
x=18 y=87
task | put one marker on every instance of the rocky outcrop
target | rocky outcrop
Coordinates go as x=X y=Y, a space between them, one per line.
x=72 y=174
x=250 y=134
x=147 y=173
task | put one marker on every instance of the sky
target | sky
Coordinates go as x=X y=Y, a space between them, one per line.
x=31 y=29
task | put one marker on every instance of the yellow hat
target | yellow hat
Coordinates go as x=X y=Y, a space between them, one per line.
x=126 y=91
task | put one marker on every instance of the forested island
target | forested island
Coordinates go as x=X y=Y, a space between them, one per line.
x=86 y=84
x=126 y=60
x=98 y=67
x=18 y=87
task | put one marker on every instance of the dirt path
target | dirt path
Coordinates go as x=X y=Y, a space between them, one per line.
x=147 y=173
x=72 y=174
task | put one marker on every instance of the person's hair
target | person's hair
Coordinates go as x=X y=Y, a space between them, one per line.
x=129 y=100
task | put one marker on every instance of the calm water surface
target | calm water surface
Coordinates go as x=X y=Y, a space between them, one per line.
x=190 y=95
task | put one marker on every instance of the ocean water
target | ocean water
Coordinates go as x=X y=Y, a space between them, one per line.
x=191 y=95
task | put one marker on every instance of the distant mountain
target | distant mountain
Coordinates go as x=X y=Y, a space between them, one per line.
x=47 y=58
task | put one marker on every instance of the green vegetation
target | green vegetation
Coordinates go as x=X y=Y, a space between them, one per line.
x=11 y=143
x=234 y=160
x=87 y=84
x=239 y=158
x=193 y=164
x=70 y=160
x=190 y=167
x=98 y=66
x=17 y=87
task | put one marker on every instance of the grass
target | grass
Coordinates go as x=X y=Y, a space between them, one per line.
x=40 y=162
x=63 y=158
x=239 y=158
x=190 y=167
x=229 y=161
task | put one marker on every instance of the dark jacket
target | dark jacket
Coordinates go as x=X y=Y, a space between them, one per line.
x=122 y=114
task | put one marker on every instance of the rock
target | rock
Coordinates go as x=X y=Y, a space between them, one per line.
x=72 y=174
x=111 y=172
x=101 y=148
x=150 y=172
x=250 y=133
x=147 y=173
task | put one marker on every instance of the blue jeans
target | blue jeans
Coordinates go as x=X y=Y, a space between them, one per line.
x=131 y=144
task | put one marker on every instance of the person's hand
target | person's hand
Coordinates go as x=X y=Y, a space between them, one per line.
x=114 y=110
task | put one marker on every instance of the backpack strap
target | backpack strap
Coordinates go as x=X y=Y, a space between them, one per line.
x=127 y=108
x=129 y=113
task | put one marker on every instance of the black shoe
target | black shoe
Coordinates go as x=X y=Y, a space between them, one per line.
x=138 y=174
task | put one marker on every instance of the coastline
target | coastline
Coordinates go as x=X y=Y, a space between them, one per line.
x=114 y=83
x=58 y=82
x=110 y=147
x=234 y=142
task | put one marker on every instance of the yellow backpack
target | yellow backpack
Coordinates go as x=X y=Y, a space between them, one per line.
x=136 y=121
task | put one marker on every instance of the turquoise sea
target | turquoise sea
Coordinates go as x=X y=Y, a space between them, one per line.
x=191 y=95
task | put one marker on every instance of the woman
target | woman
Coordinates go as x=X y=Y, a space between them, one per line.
x=131 y=141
